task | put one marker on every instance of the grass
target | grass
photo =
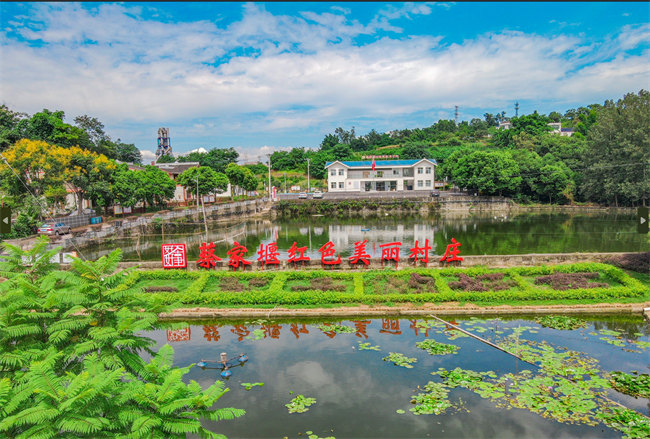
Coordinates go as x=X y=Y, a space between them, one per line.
x=181 y=284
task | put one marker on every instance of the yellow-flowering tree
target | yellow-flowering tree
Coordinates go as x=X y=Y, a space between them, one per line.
x=40 y=166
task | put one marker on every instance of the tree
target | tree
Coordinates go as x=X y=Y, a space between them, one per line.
x=157 y=186
x=208 y=180
x=618 y=152
x=168 y=159
x=415 y=150
x=49 y=127
x=555 y=182
x=8 y=126
x=250 y=181
x=328 y=142
x=127 y=152
x=70 y=362
x=342 y=152
x=490 y=172
x=236 y=175
x=127 y=188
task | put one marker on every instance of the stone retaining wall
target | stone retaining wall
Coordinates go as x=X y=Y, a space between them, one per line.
x=133 y=223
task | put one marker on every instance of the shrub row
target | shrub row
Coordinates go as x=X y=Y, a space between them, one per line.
x=277 y=292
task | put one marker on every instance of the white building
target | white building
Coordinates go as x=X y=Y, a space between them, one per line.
x=388 y=175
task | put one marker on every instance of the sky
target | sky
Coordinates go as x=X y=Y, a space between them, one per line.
x=261 y=77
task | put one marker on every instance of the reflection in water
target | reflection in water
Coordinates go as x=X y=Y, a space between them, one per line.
x=358 y=393
x=527 y=233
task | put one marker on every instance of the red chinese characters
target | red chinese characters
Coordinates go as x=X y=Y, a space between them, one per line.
x=174 y=255
x=175 y=335
x=362 y=327
x=327 y=252
x=211 y=333
x=451 y=253
x=417 y=251
x=295 y=330
x=360 y=253
x=268 y=254
x=390 y=252
x=294 y=257
x=390 y=326
x=240 y=331
x=207 y=258
x=237 y=256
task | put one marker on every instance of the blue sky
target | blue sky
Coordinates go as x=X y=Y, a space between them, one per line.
x=266 y=76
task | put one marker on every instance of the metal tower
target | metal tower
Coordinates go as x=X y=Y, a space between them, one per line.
x=456 y=115
x=164 y=143
x=516 y=109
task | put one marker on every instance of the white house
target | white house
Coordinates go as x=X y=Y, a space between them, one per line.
x=387 y=175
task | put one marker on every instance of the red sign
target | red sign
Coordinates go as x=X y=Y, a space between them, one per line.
x=268 y=254
x=297 y=258
x=179 y=334
x=360 y=253
x=452 y=252
x=417 y=250
x=207 y=258
x=174 y=255
x=326 y=254
x=390 y=252
x=237 y=256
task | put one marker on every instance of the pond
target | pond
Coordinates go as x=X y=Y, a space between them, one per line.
x=359 y=395
x=479 y=234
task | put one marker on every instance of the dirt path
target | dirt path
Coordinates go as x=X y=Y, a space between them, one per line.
x=408 y=310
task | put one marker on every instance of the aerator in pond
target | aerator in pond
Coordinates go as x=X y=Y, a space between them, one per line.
x=224 y=364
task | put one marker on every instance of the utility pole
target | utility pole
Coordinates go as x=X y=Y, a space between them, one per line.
x=269 y=177
x=285 y=182
x=205 y=221
x=308 y=185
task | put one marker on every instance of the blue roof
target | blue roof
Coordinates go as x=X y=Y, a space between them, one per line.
x=381 y=163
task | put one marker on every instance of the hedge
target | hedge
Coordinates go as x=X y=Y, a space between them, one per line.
x=277 y=294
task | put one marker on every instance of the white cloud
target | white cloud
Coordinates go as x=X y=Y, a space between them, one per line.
x=147 y=156
x=278 y=73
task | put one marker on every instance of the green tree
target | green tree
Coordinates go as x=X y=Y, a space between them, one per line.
x=236 y=175
x=415 y=150
x=618 y=152
x=169 y=159
x=342 y=152
x=203 y=179
x=49 y=127
x=156 y=185
x=8 y=126
x=127 y=152
x=127 y=189
x=70 y=356
x=489 y=172
x=555 y=182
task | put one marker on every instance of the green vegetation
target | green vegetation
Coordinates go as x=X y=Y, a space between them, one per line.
x=249 y=386
x=564 y=385
x=300 y=404
x=435 y=348
x=400 y=360
x=635 y=384
x=209 y=288
x=70 y=356
x=434 y=401
x=561 y=322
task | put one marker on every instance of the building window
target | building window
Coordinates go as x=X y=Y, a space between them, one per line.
x=428 y=170
x=333 y=172
x=341 y=185
x=395 y=171
x=341 y=171
x=380 y=173
x=420 y=184
x=333 y=185
x=419 y=170
x=428 y=184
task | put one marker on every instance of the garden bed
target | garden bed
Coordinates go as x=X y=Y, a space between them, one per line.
x=480 y=286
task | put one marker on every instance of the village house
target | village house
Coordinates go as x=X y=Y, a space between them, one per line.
x=381 y=175
x=183 y=196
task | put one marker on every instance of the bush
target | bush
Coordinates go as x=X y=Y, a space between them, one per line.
x=639 y=262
